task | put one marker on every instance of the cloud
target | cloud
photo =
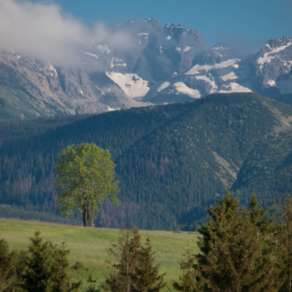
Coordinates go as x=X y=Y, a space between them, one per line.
x=44 y=31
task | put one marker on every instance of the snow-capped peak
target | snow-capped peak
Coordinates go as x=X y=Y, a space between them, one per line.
x=272 y=52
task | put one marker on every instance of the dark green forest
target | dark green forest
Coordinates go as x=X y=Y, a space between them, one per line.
x=172 y=161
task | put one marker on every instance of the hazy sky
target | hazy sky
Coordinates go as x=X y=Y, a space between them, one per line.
x=243 y=20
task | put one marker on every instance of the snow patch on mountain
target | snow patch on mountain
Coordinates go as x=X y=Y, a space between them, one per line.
x=52 y=71
x=111 y=109
x=229 y=76
x=270 y=83
x=181 y=87
x=163 y=86
x=271 y=54
x=234 y=87
x=183 y=49
x=197 y=69
x=132 y=85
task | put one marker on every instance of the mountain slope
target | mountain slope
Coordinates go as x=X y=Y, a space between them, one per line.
x=268 y=169
x=172 y=161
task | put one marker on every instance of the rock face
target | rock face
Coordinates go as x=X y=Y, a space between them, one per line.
x=164 y=64
x=273 y=61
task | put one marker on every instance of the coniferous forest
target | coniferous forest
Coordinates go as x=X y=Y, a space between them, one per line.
x=172 y=162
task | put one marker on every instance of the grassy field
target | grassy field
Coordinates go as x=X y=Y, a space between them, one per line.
x=89 y=246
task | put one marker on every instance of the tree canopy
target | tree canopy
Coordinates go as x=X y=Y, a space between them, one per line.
x=85 y=179
x=239 y=251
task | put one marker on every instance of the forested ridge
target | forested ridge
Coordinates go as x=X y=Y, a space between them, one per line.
x=171 y=161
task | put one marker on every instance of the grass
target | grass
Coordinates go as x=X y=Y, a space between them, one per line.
x=89 y=246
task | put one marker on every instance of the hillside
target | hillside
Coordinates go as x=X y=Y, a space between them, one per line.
x=268 y=169
x=19 y=129
x=172 y=161
x=89 y=246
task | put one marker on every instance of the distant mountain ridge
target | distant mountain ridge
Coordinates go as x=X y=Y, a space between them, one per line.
x=172 y=161
x=166 y=64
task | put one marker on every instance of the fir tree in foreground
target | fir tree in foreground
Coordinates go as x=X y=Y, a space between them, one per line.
x=188 y=281
x=286 y=246
x=238 y=252
x=8 y=278
x=146 y=277
x=46 y=268
x=134 y=267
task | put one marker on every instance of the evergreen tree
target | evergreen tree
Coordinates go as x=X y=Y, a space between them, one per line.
x=134 y=269
x=188 y=281
x=257 y=215
x=60 y=271
x=38 y=266
x=8 y=275
x=125 y=255
x=46 y=267
x=236 y=251
x=286 y=247
x=146 y=277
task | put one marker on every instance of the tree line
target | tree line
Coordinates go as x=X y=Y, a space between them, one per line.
x=241 y=249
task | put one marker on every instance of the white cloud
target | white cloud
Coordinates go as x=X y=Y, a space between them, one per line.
x=44 y=31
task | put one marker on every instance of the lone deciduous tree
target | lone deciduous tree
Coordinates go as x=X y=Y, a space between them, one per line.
x=85 y=178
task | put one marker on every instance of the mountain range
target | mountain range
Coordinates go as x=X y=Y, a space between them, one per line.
x=185 y=123
x=164 y=64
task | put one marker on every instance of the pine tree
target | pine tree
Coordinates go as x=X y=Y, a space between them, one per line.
x=134 y=269
x=125 y=255
x=286 y=247
x=8 y=276
x=46 y=267
x=146 y=277
x=38 y=263
x=61 y=281
x=268 y=231
x=258 y=216
x=188 y=281
x=236 y=251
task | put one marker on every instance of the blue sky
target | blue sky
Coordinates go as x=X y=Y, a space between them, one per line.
x=245 y=21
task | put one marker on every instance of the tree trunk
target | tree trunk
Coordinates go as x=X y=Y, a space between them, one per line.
x=84 y=217
x=87 y=218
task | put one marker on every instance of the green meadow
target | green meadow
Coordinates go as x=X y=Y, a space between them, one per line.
x=89 y=246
